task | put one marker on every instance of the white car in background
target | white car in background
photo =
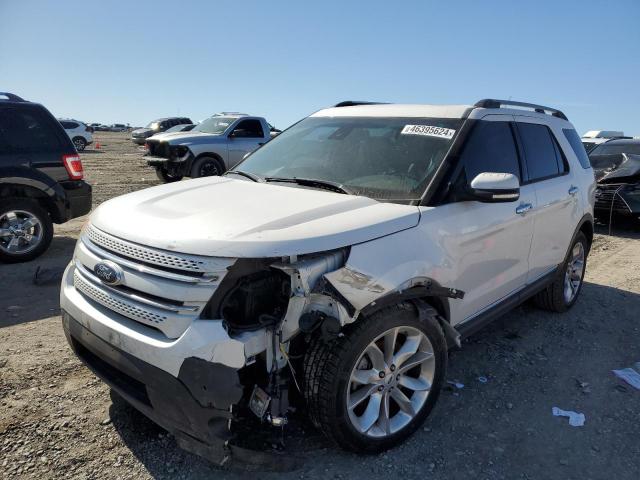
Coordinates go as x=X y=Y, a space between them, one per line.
x=79 y=133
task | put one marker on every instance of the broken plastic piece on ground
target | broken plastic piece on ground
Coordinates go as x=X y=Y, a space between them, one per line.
x=575 y=419
x=483 y=379
x=456 y=384
x=630 y=376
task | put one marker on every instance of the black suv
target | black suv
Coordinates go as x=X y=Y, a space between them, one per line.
x=40 y=179
x=140 y=135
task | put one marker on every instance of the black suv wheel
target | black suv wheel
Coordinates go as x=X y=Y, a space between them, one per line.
x=26 y=230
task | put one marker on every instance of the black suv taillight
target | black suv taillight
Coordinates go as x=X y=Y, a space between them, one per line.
x=73 y=164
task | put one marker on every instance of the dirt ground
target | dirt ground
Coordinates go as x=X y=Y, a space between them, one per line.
x=58 y=421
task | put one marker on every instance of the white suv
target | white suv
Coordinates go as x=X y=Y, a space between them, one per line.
x=79 y=133
x=341 y=260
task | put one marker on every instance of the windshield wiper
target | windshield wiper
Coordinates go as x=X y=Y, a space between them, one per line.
x=250 y=176
x=313 y=182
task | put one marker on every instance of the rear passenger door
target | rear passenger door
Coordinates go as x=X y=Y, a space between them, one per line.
x=557 y=211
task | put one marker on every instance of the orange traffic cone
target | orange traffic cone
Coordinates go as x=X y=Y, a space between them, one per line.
x=97 y=145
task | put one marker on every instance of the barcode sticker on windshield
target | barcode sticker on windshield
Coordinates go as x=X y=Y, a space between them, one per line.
x=428 y=130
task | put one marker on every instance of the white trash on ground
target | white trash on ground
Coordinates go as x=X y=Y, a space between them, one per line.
x=456 y=384
x=575 y=419
x=629 y=375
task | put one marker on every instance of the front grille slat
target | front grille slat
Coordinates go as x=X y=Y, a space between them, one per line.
x=189 y=263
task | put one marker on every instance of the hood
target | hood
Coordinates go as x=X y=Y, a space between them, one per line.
x=220 y=216
x=167 y=135
x=195 y=138
x=623 y=167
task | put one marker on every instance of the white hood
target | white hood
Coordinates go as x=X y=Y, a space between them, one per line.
x=224 y=217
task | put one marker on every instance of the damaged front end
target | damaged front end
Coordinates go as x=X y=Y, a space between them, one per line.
x=618 y=179
x=203 y=346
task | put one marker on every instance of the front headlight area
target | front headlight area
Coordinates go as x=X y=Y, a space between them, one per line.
x=275 y=306
x=178 y=152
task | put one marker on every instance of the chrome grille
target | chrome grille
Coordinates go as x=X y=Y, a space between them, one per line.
x=113 y=303
x=164 y=290
x=144 y=254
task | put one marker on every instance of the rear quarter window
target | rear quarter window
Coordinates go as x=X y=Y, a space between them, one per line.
x=577 y=146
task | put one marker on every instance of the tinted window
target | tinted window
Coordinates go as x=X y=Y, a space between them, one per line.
x=617 y=148
x=490 y=148
x=27 y=130
x=249 y=129
x=539 y=151
x=577 y=146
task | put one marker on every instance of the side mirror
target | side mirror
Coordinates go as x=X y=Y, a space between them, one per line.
x=494 y=187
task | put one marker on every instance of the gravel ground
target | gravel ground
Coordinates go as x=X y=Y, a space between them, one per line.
x=58 y=421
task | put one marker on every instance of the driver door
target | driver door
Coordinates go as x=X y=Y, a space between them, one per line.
x=245 y=137
x=488 y=243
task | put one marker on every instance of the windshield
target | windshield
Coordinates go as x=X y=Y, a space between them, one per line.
x=215 y=125
x=153 y=125
x=382 y=158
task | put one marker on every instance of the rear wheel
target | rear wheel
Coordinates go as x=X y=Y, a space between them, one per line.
x=373 y=387
x=80 y=143
x=563 y=292
x=167 y=177
x=207 y=167
x=26 y=230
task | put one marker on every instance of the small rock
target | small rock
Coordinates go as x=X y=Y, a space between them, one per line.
x=106 y=421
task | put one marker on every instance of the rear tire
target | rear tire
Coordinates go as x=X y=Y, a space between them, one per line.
x=80 y=143
x=563 y=292
x=166 y=177
x=26 y=230
x=337 y=373
x=207 y=167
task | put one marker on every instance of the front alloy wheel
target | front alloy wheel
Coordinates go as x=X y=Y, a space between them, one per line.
x=374 y=385
x=390 y=382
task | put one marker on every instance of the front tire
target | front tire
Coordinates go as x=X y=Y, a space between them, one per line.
x=373 y=387
x=26 y=230
x=562 y=294
x=166 y=177
x=207 y=167
x=80 y=143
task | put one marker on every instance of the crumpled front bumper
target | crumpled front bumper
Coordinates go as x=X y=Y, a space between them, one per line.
x=176 y=404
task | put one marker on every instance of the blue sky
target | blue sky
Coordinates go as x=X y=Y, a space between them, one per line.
x=134 y=61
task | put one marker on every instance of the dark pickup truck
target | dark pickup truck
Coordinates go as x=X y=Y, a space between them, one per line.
x=41 y=179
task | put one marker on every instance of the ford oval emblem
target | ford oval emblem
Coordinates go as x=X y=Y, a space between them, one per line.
x=109 y=272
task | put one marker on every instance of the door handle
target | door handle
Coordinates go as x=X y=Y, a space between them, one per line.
x=523 y=208
x=573 y=190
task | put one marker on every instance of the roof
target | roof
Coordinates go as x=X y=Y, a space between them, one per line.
x=396 y=110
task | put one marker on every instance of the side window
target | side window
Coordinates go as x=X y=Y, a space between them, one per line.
x=490 y=148
x=27 y=130
x=72 y=125
x=248 y=129
x=540 y=152
x=577 y=146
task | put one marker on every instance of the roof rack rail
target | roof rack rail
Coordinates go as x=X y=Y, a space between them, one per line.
x=493 y=103
x=11 y=97
x=354 y=103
